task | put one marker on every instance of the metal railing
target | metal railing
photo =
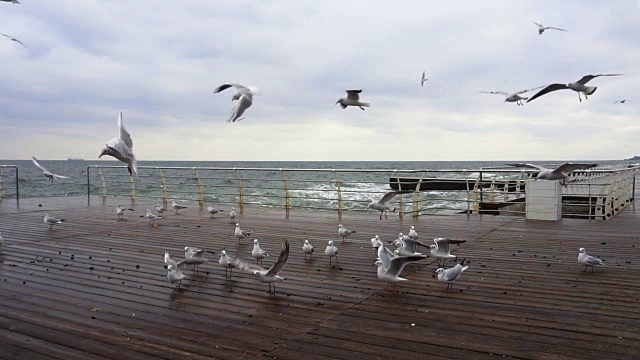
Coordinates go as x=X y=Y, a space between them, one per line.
x=16 y=180
x=481 y=191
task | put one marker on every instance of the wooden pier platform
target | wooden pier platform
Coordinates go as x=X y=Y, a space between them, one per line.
x=95 y=288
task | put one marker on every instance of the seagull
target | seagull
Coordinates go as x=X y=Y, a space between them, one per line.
x=227 y=262
x=270 y=275
x=241 y=234
x=376 y=242
x=588 y=260
x=331 y=251
x=559 y=173
x=232 y=214
x=174 y=273
x=451 y=274
x=14 y=39
x=412 y=233
x=244 y=97
x=52 y=221
x=258 y=253
x=352 y=99
x=120 y=212
x=382 y=206
x=47 y=173
x=423 y=79
x=620 y=101
x=513 y=97
x=408 y=247
x=121 y=148
x=177 y=207
x=578 y=86
x=213 y=211
x=194 y=256
x=344 y=232
x=160 y=209
x=307 y=249
x=151 y=217
x=441 y=250
x=390 y=271
x=541 y=28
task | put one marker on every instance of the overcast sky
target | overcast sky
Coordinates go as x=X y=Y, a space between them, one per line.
x=158 y=62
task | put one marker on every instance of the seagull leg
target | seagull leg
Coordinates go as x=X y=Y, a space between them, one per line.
x=338 y=262
x=361 y=108
x=579 y=98
x=585 y=268
x=385 y=215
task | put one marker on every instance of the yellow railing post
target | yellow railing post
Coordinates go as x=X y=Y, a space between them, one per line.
x=133 y=190
x=492 y=190
x=287 y=199
x=200 y=190
x=240 y=189
x=164 y=189
x=400 y=205
x=476 y=205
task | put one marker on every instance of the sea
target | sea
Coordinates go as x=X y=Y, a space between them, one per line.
x=307 y=189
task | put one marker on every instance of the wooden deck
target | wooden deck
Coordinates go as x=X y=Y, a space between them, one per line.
x=95 y=288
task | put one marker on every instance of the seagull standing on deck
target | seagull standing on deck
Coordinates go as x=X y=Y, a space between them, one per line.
x=241 y=234
x=151 y=217
x=588 y=260
x=121 y=148
x=451 y=274
x=213 y=210
x=160 y=209
x=559 y=173
x=258 y=253
x=307 y=249
x=120 y=212
x=227 y=262
x=47 y=173
x=513 y=97
x=352 y=99
x=232 y=214
x=331 y=251
x=412 y=233
x=244 y=97
x=344 y=232
x=382 y=206
x=51 y=220
x=176 y=207
x=578 y=86
x=542 y=28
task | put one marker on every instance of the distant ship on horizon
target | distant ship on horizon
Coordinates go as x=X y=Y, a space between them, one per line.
x=75 y=159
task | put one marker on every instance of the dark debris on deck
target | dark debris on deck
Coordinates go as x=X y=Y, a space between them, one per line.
x=95 y=288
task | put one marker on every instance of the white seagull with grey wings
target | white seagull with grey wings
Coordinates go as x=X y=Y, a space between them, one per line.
x=578 y=86
x=121 y=148
x=47 y=173
x=559 y=173
x=244 y=97
x=542 y=28
x=352 y=99
x=513 y=97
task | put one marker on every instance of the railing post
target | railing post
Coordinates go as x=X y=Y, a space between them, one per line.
x=200 y=190
x=88 y=185
x=133 y=190
x=17 y=187
x=416 y=197
x=476 y=206
x=287 y=200
x=466 y=180
x=339 y=187
x=240 y=189
x=104 y=187
x=492 y=190
x=400 y=205
x=481 y=187
x=164 y=189
x=1 y=172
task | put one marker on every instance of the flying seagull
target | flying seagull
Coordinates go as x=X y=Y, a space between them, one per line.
x=121 y=148
x=270 y=275
x=620 y=101
x=382 y=206
x=578 y=86
x=542 y=28
x=559 y=173
x=244 y=97
x=14 y=39
x=423 y=79
x=352 y=99
x=512 y=97
x=46 y=172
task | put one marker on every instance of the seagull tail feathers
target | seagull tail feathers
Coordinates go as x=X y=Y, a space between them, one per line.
x=590 y=90
x=365 y=104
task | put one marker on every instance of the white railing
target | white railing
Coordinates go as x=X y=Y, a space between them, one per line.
x=16 y=179
x=497 y=191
